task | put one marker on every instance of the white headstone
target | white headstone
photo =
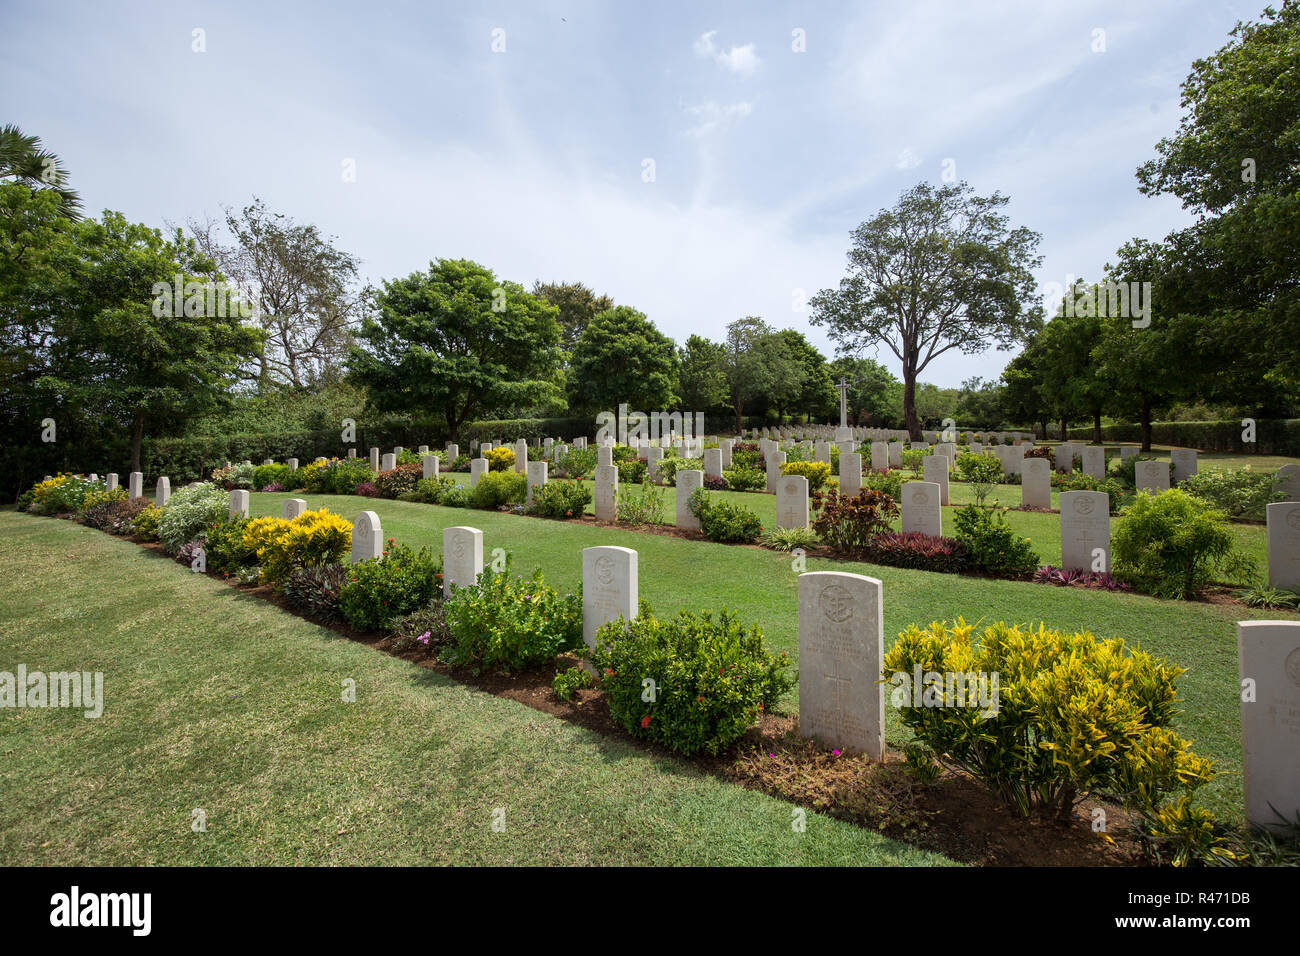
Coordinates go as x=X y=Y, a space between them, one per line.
x=162 y=491
x=110 y=482
x=1036 y=483
x=895 y=454
x=775 y=459
x=850 y=473
x=1127 y=451
x=879 y=456
x=430 y=463
x=1094 y=461
x=713 y=462
x=135 y=485
x=1183 y=461
x=1284 y=544
x=687 y=482
x=935 y=470
x=725 y=446
x=422 y=450
x=1152 y=476
x=920 y=512
x=606 y=493
x=653 y=456
x=367 y=538
x=1085 y=530
x=388 y=463
x=477 y=469
x=823 y=451
x=453 y=452
x=521 y=456
x=1287 y=481
x=792 y=502
x=238 y=503
x=536 y=478
x=1268 y=656
x=292 y=508
x=841 y=648
x=604 y=455
x=293 y=464
x=374 y=459
x=609 y=588
x=462 y=557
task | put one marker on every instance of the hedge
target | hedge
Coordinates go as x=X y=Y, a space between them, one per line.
x=1278 y=436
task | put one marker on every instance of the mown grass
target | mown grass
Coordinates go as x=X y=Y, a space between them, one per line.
x=218 y=700
x=760 y=585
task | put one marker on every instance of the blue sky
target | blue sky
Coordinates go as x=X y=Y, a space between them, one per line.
x=531 y=160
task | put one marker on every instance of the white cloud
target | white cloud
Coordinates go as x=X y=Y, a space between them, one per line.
x=713 y=115
x=741 y=60
x=907 y=159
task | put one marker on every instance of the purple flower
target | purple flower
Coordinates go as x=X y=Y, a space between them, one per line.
x=423 y=638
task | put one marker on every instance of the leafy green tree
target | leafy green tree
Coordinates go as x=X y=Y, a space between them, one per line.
x=1235 y=163
x=1071 y=383
x=980 y=404
x=457 y=340
x=1022 y=382
x=869 y=392
x=622 y=357
x=816 y=395
x=702 y=374
x=578 y=305
x=941 y=270
x=759 y=364
x=24 y=160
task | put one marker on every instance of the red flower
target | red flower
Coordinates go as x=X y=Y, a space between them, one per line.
x=645 y=721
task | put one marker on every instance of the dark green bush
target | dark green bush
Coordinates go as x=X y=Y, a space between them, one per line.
x=1173 y=544
x=315 y=590
x=561 y=499
x=991 y=545
x=379 y=592
x=722 y=521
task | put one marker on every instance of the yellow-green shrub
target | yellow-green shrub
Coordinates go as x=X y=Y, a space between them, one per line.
x=309 y=540
x=1071 y=714
x=500 y=459
x=818 y=473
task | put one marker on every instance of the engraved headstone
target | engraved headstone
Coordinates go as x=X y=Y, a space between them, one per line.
x=1268 y=655
x=879 y=456
x=792 y=502
x=367 y=538
x=1036 y=483
x=609 y=588
x=477 y=469
x=430 y=463
x=292 y=508
x=110 y=482
x=774 y=462
x=604 y=455
x=1152 y=476
x=895 y=454
x=453 y=452
x=653 y=456
x=135 y=485
x=1094 y=461
x=713 y=462
x=687 y=482
x=1287 y=481
x=920 y=510
x=1284 y=544
x=1183 y=461
x=935 y=469
x=462 y=557
x=841 y=648
x=850 y=473
x=162 y=491
x=238 y=503
x=388 y=463
x=536 y=478
x=1085 y=530
x=606 y=493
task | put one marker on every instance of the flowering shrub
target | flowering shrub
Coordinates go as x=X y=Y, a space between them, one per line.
x=274 y=486
x=1073 y=577
x=145 y=524
x=632 y=471
x=424 y=629
x=191 y=510
x=710 y=678
x=561 y=499
x=922 y=552
x=315 y=590
x=643 y=507
x=991 y=545
x=366 y=489
x=724 y=522
x=335 y=476
x=510 y=624
x=95 y=506
x=849 y=524
x=399 y=480
x=116 y=516
x=231 y=477
x=1072 y=715
x=63 y=494
x=379 y=592
x=818 y=473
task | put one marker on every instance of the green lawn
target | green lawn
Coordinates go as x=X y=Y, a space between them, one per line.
x=761 y=586
x=218 y=700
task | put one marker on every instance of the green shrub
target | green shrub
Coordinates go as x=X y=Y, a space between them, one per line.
x=145 y=525
x=335 y=476
x=886 y=482
x=510 y=624
x=982 y=471
x=1071 y=715
x=1241 y=494
x=500 y=459
x=1124 y=470
x=94 y=506
x=116 y=516
x=632 y=471
x=670 y=466
x=787 y=539
x=1081 y=481
x=561 y=499
x=497 y=488
x=643 y=507
x=191 y=511
x=567 y=683
x=264 y=475
x=745 y=479
x=225 y=548
x=316 y=591
x=1171 y=545
x=431 y=490
x=991 y=545
x=711 y=678
x=914 y=459
x=379 y=592
x=63 y=494
x=722 y=521
x=399 y=481
x=576 y=463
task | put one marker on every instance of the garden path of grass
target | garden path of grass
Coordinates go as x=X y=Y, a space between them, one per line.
x=216 y=699
x=760 y=585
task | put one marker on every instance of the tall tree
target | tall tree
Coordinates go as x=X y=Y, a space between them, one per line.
x=1071 y=382
x=702 y=374
x=578 y=305
x=943 y=269
x=301 y=285
x=759 y=363
x=816 y=395
x=622 y=357
x=870 y=389
x=458 y=340
x=23 y=159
